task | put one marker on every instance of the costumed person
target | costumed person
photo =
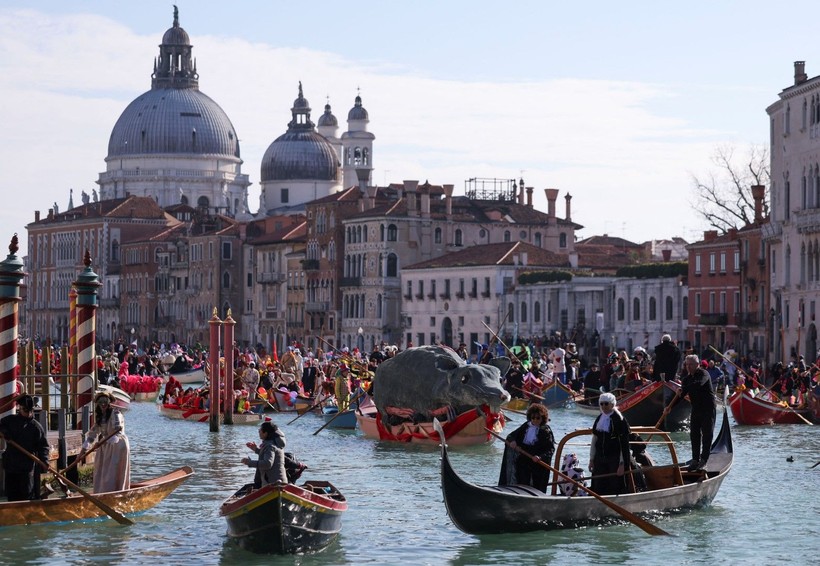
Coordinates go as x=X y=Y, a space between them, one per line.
x=609 y=450
x=25 y=430
x=270 y=464
x=112 y=460
x=698 y=386
x=250 y=379
x=536 y=439
x=342 y=388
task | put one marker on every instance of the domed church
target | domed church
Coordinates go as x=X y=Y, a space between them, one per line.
x=174 y=143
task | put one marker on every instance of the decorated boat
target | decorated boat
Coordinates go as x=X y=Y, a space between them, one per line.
x=645 y=406
x=203 y=415
x=748 y=409
x=467 y=429
x=285 y=518
x=477 y=509
x=139 y=497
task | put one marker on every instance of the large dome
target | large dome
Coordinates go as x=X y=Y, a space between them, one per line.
x=301 y=153
x=174 y=121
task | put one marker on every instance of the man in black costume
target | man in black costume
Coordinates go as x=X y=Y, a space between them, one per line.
x=697 y=384
x=667 y=360
x=23 y=429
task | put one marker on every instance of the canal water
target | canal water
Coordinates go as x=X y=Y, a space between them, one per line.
x=766 y=510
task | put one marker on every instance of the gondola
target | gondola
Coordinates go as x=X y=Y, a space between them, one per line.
x=750 y=410
x=140 y=497
x=203 y=415
x=645 y=406
x=479 y=510
x=285 y=518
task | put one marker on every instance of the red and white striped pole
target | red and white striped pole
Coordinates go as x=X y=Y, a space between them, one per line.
x=11 y=276
x=213 y=357
x=227 y=347
x=86 y=285
x=72 y=332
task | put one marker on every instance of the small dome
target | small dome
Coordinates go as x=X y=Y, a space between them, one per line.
x=328 y=119
x=300 y=155
x=357 y=112
x=176 y=36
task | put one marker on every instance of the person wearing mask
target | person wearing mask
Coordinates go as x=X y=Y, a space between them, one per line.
x=25 y=430
x=536 y=439
x=609 y=450
x=112 y=461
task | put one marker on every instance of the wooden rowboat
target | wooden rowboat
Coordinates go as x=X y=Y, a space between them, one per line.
x=203 y=415
x=477 y=509
x=467 y=429
x=141 y=496
x=333 y=419
x=750 y=410
x=285 y=518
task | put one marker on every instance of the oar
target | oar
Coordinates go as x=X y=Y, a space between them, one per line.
x=110 y=511
x=814 y=466
x=336 y=416
x=667 y=409
x=309 y=409
x=628 y=515
x=83 y=455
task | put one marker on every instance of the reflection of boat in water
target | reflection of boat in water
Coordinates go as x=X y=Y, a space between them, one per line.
x=750 y=410
x=479 y=509
x=285 y=518
x=466 y=429
x=140 y=497
x=203 y=415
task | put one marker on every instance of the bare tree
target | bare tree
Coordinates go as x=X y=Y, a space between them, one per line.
x=724 y=198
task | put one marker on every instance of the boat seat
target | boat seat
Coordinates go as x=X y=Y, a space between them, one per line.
x=518 y=489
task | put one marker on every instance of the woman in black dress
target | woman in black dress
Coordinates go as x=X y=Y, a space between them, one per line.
x=535 y=438
x=609 y=450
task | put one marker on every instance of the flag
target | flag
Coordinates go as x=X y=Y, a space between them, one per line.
x=275 y=355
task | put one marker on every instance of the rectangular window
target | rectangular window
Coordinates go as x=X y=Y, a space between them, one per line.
x=736 y=307
x=285 y=195
x=712 y=263
x=432 y=321
x=712 y=298
x=226 y=250
x=697 y=265
x=723 y=302
x=723 y=262
x=250 y=280
x=432 y=338
x=697 y=304
x=737 y=260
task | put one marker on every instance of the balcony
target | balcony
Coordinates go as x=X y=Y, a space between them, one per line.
x=317 y=306
x=807 y=221
x=272 y=277
x=350 y=282
x=713 y=318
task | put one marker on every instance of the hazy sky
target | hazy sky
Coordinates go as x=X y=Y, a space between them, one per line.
x=616 y=103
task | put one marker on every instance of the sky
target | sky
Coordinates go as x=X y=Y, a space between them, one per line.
x=617 y=104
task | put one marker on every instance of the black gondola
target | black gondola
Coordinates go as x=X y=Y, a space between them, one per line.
x=480 y=510
x=645 y=406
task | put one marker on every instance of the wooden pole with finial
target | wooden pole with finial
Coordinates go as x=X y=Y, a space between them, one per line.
x=227 y=340
x=213 y=358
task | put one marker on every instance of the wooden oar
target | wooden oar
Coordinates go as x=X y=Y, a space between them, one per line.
x=82 y=455
x=336 y=416
x=814 y=466
x=645 y=525
x=309 y=409
x=110 y=511
x=667 y=409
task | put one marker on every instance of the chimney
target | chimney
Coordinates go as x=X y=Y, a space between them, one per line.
x=521 y=192
x=710 y=235
x=410 y=193
x=552 y=196
x=568 y=198
x=529 y=197
x=758 y=193
x=36 y=215
x=371 y=197
x=667 y=255
x=424 y=190
x=448 y=200
x=800 y=72
x=50 y=213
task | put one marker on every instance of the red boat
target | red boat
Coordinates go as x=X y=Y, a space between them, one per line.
x=750 y=410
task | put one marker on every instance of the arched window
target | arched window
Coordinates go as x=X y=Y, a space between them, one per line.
x=115 y=250
x=621 y=309
x=459 y=239
x=226 y=280
x=392 y=233
x=523 y=311
x=636 y=309
x=536 y=312
x=537 y=239
x=506 y=235
x=392 y=265
x=652 y=308
x=203 y=202
x=668 y=315
x=511 y=312
x=562 y=240
x=437 y=236
x=381 y=232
